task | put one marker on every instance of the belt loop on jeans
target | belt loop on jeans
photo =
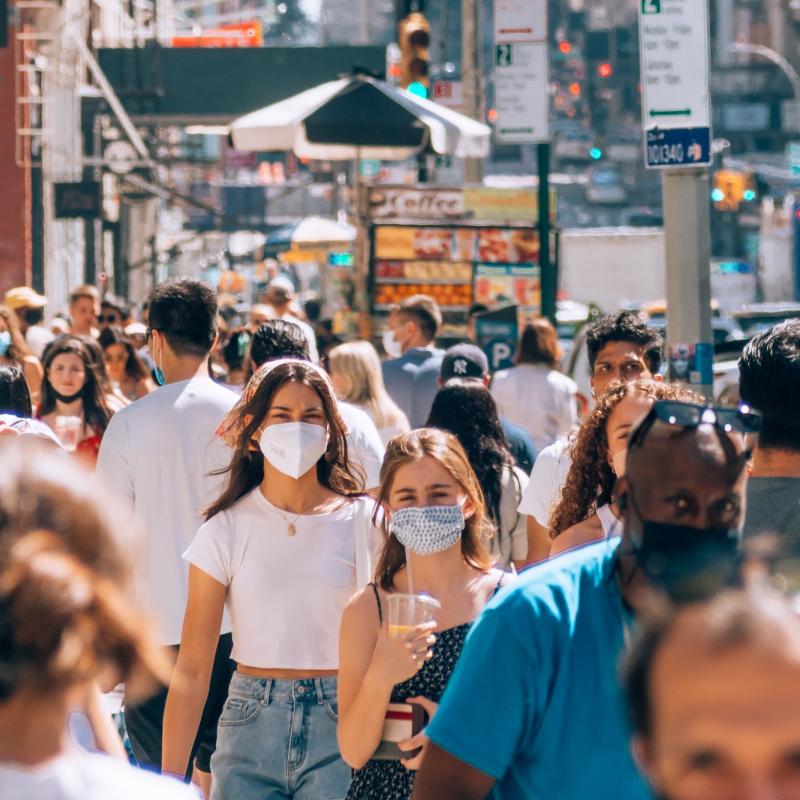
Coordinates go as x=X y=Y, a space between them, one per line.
x=320 y=691
x=267 y=691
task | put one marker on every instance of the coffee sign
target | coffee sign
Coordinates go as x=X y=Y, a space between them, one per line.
x=407 y=203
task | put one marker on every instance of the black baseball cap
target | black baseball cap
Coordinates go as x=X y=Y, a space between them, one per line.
x=464 y=361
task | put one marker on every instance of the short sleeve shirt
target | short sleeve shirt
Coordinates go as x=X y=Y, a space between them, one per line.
x=535 y=700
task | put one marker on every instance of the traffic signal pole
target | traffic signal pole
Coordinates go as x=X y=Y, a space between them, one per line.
x=471 y=78
x=688 y=258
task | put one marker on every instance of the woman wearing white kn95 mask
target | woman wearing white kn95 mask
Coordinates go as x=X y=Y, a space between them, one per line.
x=284 y=548
x=393 y=675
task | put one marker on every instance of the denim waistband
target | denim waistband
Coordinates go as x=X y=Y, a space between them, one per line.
x=310 y=690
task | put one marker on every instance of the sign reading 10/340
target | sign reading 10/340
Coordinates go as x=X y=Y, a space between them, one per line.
x=674 y=38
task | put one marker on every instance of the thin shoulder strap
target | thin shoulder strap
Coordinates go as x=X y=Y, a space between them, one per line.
x=499 y=584
x=378 y=601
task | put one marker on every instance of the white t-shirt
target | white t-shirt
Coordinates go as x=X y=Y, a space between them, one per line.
x=286 y=594
x=511 y=544
x=37 y=337
x=547 y=480
x=367 y=447
x=88 y=776
x=539 y=399
x=159 y=454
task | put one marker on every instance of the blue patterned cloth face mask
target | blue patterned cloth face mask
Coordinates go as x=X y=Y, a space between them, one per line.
x=429 y=529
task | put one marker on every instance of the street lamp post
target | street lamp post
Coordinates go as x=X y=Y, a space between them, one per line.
x=776 y=58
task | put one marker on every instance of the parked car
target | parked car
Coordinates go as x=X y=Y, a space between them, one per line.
x=573 y=144
x=758 y=317
x=606 y=187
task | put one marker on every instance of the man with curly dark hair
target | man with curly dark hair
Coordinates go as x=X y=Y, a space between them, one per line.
x=621 y=348
x=769 y=380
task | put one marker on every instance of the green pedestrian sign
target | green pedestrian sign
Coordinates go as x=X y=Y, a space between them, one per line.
x=651 y=6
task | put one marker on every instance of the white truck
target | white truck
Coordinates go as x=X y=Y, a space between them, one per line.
x=618 y=267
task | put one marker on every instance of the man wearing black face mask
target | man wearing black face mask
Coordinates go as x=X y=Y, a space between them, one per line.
x=534 y=708
x=682 y=497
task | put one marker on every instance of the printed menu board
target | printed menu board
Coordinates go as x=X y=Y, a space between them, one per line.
x=443 y=262
x=500 y=284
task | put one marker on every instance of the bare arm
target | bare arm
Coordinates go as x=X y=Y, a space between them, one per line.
x=443 y=775
x=584 y=532
x=370 y=664
x=188 y=688
x=33 y=373
x=539 y=542
x=106 y=736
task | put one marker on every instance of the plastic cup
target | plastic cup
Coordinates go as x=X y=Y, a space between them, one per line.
x=68 y=430
x=406 y=611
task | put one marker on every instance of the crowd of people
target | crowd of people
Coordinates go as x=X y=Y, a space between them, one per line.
x=322 y=574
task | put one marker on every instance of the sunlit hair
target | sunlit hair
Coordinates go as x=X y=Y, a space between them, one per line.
x=95 y=409
x=590 y=481
x=358 y=363
x=444 y=448
x=65 y=618
x=246 y=470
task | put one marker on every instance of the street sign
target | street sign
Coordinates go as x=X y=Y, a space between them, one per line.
x=521 y=71
x=449 y=94
x=520 y=21
x=678 y=147
x=496 y=333
x=521 y=78
x=674 y=37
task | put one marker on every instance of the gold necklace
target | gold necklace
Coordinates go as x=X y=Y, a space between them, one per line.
x=291 y=529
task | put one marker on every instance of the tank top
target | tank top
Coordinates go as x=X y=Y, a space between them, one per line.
x=390 y=780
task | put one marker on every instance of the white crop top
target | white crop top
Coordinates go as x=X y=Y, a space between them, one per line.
x=286 y=594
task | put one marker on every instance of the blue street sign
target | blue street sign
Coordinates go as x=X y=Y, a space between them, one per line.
x=678 y=147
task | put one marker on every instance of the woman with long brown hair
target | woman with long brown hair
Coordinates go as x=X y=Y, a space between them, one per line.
x=72 y=388
x=435 y=527
x=14 y=350
x=123 y=365
x=284 y=548
x=65 y=624
x=587 y=512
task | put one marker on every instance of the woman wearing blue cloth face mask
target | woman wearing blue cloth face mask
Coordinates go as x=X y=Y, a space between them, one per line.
x=434 y=513
x=284 y=548
x=14 y=350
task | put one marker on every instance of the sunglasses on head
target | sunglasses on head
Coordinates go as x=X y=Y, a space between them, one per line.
x=743 y=420
x=110 y=318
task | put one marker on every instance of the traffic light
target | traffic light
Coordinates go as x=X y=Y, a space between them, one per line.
x=414 y=40
x=605 y=70
x=730 y=189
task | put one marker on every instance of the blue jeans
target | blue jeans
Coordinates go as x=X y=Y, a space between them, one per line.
x=277 y=739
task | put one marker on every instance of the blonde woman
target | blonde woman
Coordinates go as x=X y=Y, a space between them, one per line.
x=356 y=373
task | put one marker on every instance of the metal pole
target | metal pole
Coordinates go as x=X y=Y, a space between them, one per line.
x=471 y=78
x=548 y=276
x=688 y=254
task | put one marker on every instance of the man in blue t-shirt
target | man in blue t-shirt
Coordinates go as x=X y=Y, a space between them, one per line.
x=535 y=708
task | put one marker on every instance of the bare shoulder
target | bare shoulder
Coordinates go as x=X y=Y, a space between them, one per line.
x=586 y=532
x=361 y=611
